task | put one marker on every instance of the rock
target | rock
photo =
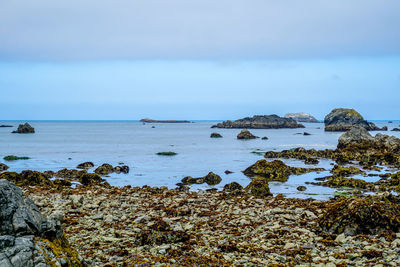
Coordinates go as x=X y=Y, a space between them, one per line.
x=343 y=119
x=27 y=178
x=104 y=169
x=147 y=120
x=27 y=238
x=310 y=161
x=384 y=128
x=258 y=187
x=212 y=178
x=301 y=117
x=305 y=133
x=275 y=170
x=24 y=128
x=355 y=135
x=121 y=169
x=228 y=172
x=90 y=179
x=396 y=130
x=232 y=187
x=3 y=167
x=368 y=215
x=85 y=165
x=260 y=122
x=215 y=135
x=246 y=135
x=264 y=138
x=5 y=126
x=301 y=188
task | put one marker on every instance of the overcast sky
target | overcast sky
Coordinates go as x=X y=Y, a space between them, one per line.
x=128 y=59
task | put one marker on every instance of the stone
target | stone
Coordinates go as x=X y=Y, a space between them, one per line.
x=85 y=165
x=104 y=169
x=343 y=119
x=121 y=169
x=24 y=128
x=215 y=135
x=246 y=135
x=232 y=187
x=260 y=122
x=3 y=167
x=301 y=188
x=301 y=117
x=258 y=187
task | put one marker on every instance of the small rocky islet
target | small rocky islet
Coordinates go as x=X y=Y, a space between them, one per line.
x=101 y=225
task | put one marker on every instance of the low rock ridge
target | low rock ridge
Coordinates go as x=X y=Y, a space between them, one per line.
x=147 y=120
x=27 y=238
x=260 y=122
x=343 y=119
x=301 y=117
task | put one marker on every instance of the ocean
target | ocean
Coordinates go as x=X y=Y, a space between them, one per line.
x=65 y=144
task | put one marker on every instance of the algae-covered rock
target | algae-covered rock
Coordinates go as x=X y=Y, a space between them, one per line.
x=85 y=165
x=311 y=161
x=343 y=119
x=361 y=216
x=232 y=187
x=90 y=179
x=104 y=169
x=121 y=169
x=275 y=170
x=258 y=187
x=246 y=135
x=3 y=167
x=24 y=128
x=345 y=171
x=211 y=179
x=27 y=238
x=215 y=135
x=27 y=178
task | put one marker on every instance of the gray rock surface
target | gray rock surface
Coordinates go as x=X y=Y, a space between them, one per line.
x=260 y=122
x=24 y=232
x=301 y=117
x=343 y=119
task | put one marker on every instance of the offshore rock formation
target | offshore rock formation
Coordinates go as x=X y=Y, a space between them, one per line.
x=260 y=122
x=26 y=237
x=301 y=117
x=343 y=119
x=24 y=128
x=246 y=135
x=147 y=120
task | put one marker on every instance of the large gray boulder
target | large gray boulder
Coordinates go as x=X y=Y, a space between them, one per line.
x=343 y=119
x=301 y=117
x=355 y=136
x=260 y=122
x=27 y=238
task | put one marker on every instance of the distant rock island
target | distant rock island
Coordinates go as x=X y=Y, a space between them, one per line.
x=301 y=117
x=24 y=128
x=260 y=122
x=147 y=120
x=343 y=119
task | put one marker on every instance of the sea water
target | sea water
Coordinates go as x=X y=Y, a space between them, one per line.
x=65 y=144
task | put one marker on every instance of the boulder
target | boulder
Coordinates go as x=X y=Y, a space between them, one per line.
x=343 y=119
x=211 y=179
x=85 y=165
x=121 y=169
x=396 y=130
x=232 y=187
x=104 y=169
x=258 y=187
x=24 y=128
x=301 y=117
x=355 y=136
x=27 y=238
x=215 y=135
x=3 y=167
x=260 y=122
x=246 y=135
x=27 y=178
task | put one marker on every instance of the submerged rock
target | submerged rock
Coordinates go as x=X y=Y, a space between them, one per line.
x=260 y=122
x=85 y=165
x=301 y=117
x=246 y=135
x=27 y=238
x=275 y=170
x=343 y=119
x=25 y=128
x=215 y=135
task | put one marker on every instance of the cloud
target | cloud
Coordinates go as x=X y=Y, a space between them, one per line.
x=207 y=29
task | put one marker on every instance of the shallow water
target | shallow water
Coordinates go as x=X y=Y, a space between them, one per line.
x=64 y=144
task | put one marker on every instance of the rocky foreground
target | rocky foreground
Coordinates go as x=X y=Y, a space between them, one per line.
x=125 y=226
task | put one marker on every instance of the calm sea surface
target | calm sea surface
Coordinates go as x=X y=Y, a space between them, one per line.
x=64 y=144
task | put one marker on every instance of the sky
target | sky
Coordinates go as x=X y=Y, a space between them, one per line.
x=178 y=59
